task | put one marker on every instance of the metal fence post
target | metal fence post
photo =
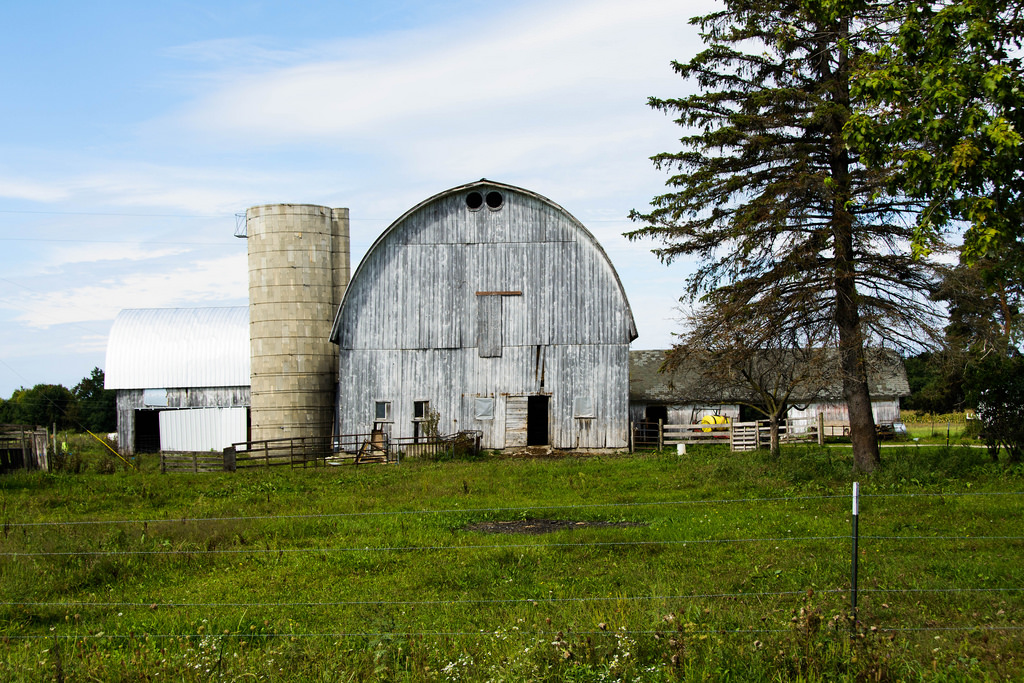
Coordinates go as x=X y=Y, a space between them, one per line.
x=853 y=561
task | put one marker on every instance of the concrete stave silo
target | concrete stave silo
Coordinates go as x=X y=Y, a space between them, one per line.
x=298 y=272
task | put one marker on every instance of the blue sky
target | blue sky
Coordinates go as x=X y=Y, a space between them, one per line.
x=132 y=133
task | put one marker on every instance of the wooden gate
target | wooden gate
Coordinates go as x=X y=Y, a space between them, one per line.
x=744 y=436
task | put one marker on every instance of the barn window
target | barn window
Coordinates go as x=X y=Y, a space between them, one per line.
x=420 y=413
x=483 y=408
x=154 y=397
x=382 y=411
x=583 y=407
x=474 y=200
x=494 y=200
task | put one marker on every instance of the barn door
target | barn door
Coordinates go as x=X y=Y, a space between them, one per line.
x=516 y=411
x=526 y=421
x=147 y=431
x=537 y=421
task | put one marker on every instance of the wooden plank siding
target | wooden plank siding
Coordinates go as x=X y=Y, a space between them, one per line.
x=551 y=319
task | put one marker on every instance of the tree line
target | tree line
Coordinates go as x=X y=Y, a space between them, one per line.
x=87 y=406
x=837 y=157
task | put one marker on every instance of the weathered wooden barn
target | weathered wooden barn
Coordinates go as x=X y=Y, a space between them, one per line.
x=182 y=378
x=493 y=309
x=669 y=396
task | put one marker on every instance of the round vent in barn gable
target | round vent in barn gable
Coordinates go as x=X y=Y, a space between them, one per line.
x=494 y=200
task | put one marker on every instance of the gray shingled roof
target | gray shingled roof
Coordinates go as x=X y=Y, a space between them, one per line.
x=887 y=379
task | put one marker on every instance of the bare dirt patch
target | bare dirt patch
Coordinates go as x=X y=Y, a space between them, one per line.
x=541 y=526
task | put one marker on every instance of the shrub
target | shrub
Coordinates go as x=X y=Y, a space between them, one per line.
x=918 y=417
x=1001 y=406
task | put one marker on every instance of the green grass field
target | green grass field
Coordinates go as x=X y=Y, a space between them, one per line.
x=733 y=567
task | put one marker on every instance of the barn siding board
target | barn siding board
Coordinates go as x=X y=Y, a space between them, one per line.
x=446 y=376
x=885 y=411
x=410 y=324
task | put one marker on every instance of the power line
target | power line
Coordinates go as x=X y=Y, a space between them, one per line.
x=135 y=241
x=624 y=219
x=115 y=214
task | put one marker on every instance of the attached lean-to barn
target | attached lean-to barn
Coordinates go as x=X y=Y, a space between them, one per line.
x=682 y=396
x=182 y=378
x=487 y=307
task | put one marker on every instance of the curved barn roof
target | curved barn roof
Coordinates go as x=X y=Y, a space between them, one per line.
x=484 y=185
x=154 y=348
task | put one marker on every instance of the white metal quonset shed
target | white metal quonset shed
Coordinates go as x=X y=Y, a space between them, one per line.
x=495 y=308
x=182 y=378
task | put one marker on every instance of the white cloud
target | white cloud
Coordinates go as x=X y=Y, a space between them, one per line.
x=99 y=253
x=87 y=343
x=528 y=65
x=233 y=52
x=32 y=191
x=193 y=190
x=220 y=281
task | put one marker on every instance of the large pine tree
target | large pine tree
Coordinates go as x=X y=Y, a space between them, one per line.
x=790 y=231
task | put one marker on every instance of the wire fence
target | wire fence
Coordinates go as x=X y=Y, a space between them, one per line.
x=504 y=509
x=18 y=548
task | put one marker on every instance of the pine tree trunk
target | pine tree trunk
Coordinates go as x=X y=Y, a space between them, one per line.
x=852 y=363
x=851 y=338
x=858 y=401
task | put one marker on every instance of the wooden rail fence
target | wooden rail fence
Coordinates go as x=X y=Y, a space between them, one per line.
x=354 y=449
x=191 y=462
x=741 y=436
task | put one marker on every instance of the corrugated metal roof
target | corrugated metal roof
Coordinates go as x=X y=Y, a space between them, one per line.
x=178 y=347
